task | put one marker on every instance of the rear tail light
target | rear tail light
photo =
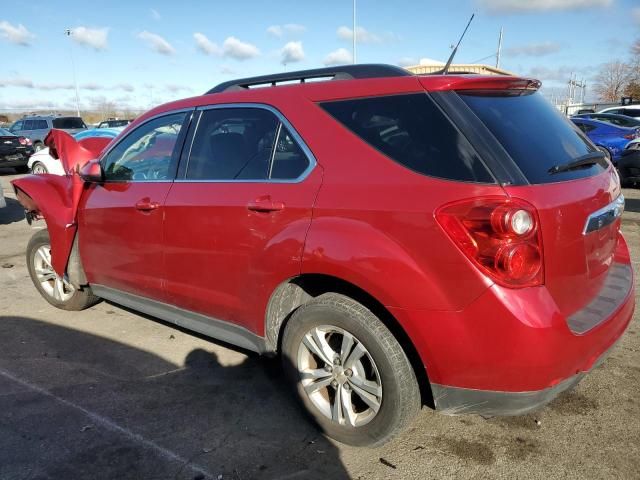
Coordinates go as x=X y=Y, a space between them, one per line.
x=24 y=141
x=632 y=136
x=500 y=236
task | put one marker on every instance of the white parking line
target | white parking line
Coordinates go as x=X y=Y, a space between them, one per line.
x=111 y=425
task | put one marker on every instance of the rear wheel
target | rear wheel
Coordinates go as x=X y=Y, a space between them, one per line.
x=55 y=289
x=38 y=168
x=349 y=371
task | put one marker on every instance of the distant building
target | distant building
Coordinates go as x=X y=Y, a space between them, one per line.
x=426 y=68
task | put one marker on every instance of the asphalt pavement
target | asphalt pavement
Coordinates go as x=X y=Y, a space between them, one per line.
x=110 y=394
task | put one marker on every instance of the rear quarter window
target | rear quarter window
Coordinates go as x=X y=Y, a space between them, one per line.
x=68 y=123
x=533 y=132
x=412 y=131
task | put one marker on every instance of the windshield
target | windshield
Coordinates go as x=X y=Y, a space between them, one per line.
x=68 y=123
x=534 y=133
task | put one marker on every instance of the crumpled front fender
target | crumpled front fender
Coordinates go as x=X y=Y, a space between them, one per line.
x=56 y=197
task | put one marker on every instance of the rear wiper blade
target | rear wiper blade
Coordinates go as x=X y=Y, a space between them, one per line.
x=583 y=161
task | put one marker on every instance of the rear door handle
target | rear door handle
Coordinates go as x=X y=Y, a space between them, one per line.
x=265 y=205
x=146 y=205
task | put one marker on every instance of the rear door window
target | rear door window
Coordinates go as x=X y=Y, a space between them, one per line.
x=40 y=125
x=533 y=132
x=411 y=130
x=68 y=123
x=244 y=144
x=28 y=124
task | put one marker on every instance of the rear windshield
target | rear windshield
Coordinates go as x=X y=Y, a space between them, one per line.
x=67 y=123
x=411 y=130
x=534 y=133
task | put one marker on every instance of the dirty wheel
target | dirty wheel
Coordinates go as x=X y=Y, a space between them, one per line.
x=55 y=289
x=349 y=371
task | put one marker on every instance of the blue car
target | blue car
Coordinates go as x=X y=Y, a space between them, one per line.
x=611 y=139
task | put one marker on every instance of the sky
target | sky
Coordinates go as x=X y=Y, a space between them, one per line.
x=140 y=53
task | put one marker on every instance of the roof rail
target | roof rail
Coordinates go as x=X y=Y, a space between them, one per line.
x=345 y=72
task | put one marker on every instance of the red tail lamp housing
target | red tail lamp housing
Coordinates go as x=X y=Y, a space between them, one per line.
x=24 y=141
x=501 y=236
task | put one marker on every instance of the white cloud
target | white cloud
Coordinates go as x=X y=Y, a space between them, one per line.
x=287 y=29
x=533 y=49
x=526 y=6
x=205 y=45
x=127 y=87
x=157 y=43
x=338 y=57
x=292 y=52
x=275 y=30
x=30 y=104
x=54 y=86
x=173 y=88
x=239 y=50
x=16 y=34
x=560 y=74
x=227 y=70
x=364 y=36
x=430 y=61
x=95 y=38
x=155 y=14
x=16 y=82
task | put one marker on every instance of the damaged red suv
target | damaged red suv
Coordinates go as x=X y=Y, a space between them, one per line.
x=399 y=240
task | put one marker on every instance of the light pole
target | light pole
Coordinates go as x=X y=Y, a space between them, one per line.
x=354 y=31
x=68 y=32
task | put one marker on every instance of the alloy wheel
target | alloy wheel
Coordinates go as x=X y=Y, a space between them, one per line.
x=52 y=284
x=339 y=376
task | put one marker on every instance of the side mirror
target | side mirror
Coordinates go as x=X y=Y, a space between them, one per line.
x=92 y=171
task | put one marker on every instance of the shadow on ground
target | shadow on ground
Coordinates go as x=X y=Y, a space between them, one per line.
x=74 y=405
x=13 y=212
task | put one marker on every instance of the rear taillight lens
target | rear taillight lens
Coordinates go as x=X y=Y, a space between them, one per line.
x=500 y=236
x=24 y=141
x=633 y=136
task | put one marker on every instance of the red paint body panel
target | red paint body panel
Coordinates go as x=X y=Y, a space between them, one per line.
x=241 y=255
x=513 y=340
x=121 y=246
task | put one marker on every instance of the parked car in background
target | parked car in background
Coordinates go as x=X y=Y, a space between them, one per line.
x=36 y=127
x=628 y=110
x=612 y=118
x=113 y=123
x=397 y=239
x=609 y=138
x=42 y=162
x=14 y=151
x=629 y=167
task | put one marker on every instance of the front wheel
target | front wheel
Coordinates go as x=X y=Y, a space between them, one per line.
x=55 y=289
x=349 y=371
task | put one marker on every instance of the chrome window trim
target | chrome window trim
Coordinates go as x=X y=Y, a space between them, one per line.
x=154 y=117
x=604 y=216
x=283 y=121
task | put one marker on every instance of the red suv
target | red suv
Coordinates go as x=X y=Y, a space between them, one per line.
x=399 y=240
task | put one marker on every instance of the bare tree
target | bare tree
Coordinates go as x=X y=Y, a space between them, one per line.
x=612 y=80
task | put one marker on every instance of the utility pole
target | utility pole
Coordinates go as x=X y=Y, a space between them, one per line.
x=499 y=49
x=354 y=31
x=68 y=32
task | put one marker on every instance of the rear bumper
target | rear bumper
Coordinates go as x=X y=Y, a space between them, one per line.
x=489 y=403
x=512 y=350
x=19 y=159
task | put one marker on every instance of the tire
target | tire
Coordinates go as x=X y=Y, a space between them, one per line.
x=39 y=168
x=384 y=367
x=55 y=290
x=22 y=169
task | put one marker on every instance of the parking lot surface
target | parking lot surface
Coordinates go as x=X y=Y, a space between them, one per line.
x=110 y=394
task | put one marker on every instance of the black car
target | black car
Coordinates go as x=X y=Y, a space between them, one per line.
x=613 y=118
x=114 y=123
x=14 y=151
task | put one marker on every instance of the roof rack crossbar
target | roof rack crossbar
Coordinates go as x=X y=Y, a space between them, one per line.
x=345 y=72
